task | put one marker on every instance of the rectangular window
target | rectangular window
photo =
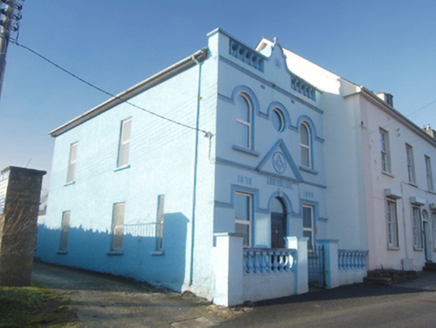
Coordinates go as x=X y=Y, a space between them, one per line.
x=385 y=154
x=243 y=216
x=308 y=230
x=410 y=164
x=117 y=227
x=65 y=225
x=429 y=174
x=417 y=227
x=392 y=223
x=72 y=162
x=123 y=152
x=160 y=221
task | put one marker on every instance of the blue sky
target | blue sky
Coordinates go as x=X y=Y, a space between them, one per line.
x=385 y=45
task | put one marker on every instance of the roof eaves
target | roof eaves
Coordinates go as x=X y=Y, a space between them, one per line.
x=133 y=91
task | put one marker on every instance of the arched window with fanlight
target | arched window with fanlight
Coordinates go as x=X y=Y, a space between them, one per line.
x=305 y=145
x=244 y=120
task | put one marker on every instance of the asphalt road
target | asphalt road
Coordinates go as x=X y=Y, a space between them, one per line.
x=410 y=304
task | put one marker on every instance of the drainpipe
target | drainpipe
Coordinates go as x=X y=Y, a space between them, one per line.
x=194 y=191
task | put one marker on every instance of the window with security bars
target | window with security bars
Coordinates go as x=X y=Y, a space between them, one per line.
x=124 y=148
x=117 y=227
x=72 y=162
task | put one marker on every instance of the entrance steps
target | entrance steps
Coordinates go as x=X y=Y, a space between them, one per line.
x=430 y=266
x=388 y=277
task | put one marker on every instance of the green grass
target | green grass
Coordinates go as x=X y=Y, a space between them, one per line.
x=34 y=307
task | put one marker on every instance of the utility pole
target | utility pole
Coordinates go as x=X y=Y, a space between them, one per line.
x=11 y=13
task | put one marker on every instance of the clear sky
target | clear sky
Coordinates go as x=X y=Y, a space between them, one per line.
x=385 y=45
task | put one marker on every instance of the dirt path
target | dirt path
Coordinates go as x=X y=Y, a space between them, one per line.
x=107 y=301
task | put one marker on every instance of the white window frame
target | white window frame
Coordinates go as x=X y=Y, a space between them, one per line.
x=72 y=162
x=117 y=228
x=160 y=221
x=392 y=224
x=307 y=147
x=429 y=173
x=433 y=223
x=250 y=216
x=124 y=145
x=410 y=164
x=385 y=151
x=65 y=225
x=248 y=124
x=417 y=228
x=310 y=229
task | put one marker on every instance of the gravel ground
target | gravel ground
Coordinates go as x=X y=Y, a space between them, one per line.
x=107 y=301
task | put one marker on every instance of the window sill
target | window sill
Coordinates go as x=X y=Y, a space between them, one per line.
x=246 y=150
x=432 y=192
x=122 y=168
x=418 y=249
x=413 y=184
x=308 y=170
x=392 y=248
x=390 y=175
x=115 y=253
x=62 y=252
x=69 y=183
x=157 y=253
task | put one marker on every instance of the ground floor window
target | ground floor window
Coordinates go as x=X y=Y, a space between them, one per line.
x=308 y=230
x=243 y=216
x=392 y=223
x=433 y=222
x=117 y=227
x=417 y=227
x=65 y=225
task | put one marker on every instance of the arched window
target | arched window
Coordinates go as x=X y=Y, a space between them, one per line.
x=243 y=120
x=306 y=145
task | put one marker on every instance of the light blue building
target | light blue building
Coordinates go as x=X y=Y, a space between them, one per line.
x=207 y=177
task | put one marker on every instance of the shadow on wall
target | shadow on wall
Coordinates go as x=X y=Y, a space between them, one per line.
x=90 y=250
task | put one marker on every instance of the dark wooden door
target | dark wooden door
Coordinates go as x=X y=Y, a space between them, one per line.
x=278 y=230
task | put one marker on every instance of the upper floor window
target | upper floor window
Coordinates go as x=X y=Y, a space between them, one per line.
x=243 y=216
x=72 y=162
x=244 y=120
x=429 y=174
x=385 y=154
x=410 y=164
x=277 y=119
x=306 y=145
x=124 y=147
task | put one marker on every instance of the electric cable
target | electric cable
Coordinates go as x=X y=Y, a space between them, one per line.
x=106 y=92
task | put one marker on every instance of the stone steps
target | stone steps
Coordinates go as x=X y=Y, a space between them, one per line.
x=429 y=266
x=388 y=277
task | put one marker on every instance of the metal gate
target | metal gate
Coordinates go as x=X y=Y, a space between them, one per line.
x=316 y=261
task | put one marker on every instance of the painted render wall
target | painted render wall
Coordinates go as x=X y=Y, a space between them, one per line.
x=161 y=161
x=399 y=134
x=253 y=172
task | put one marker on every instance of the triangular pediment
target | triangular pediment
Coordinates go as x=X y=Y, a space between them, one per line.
x=278 y=162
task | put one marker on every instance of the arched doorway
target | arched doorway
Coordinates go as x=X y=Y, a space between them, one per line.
x=278 y=223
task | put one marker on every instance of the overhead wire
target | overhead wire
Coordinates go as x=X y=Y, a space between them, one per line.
x=104 y=91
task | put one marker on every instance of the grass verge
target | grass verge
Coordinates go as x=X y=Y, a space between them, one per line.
x=34 y=307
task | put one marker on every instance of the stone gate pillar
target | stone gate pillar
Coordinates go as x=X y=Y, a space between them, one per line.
x=20 y=190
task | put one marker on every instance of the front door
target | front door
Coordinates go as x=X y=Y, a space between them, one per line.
x=278 y=224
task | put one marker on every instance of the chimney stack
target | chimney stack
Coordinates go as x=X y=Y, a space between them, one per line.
x=386 y=97
x=427 y=129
